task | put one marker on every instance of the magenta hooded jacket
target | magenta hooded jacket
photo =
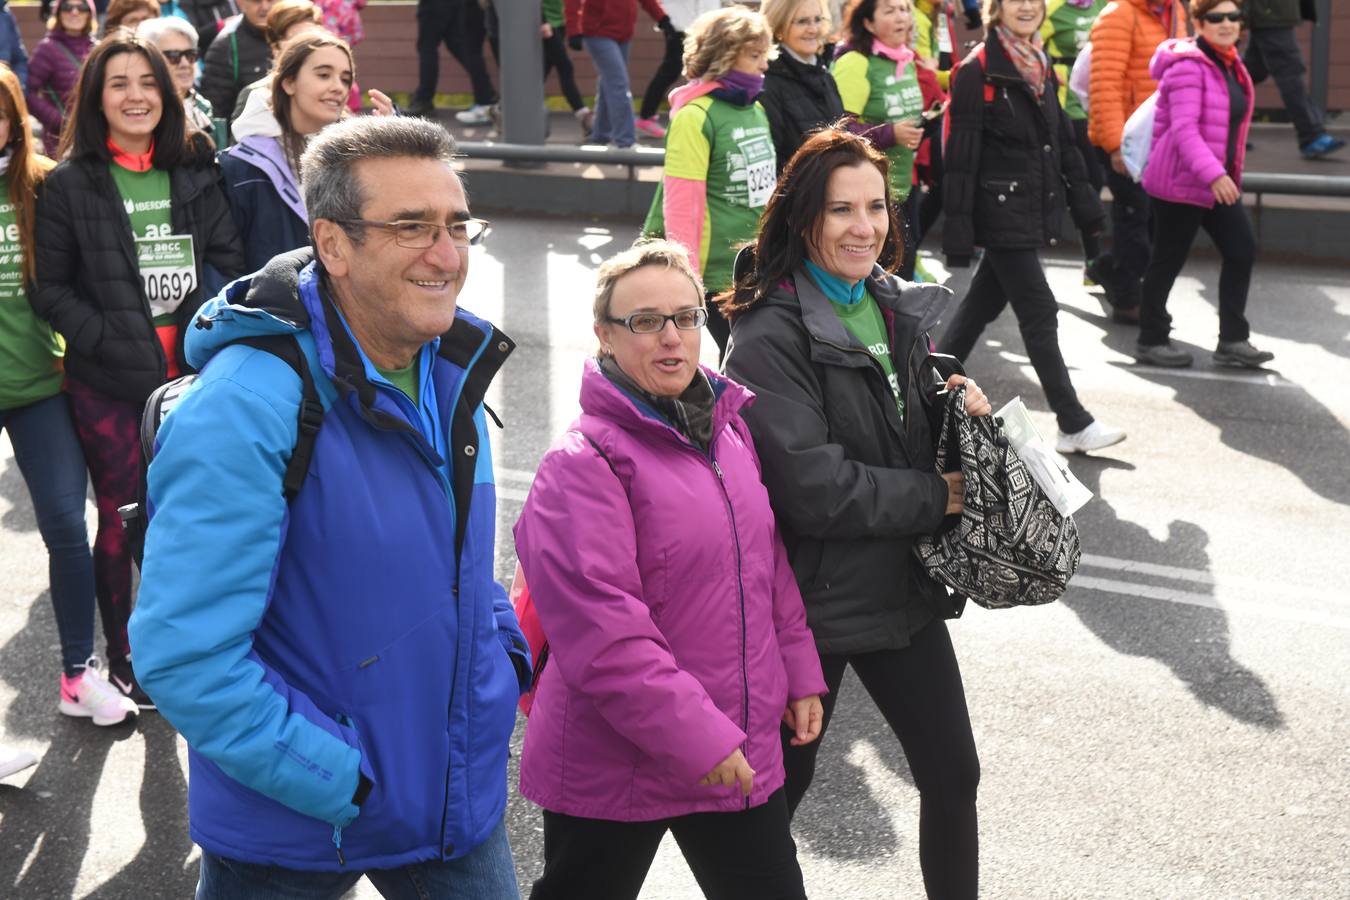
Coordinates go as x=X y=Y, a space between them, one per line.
x=676 y=630
x=1190 y=126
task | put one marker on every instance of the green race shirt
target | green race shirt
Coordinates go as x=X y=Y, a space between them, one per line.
x=553 y=13
x=870 y=90
x=730 y=149
x=167 y=265
x=30 y=353
x=865 y=322
x=1065 y=32
x=405 y=379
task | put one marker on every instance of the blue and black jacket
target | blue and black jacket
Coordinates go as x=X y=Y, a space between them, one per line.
x=357 y=630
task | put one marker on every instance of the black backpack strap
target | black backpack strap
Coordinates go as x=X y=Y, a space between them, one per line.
x=310 y=418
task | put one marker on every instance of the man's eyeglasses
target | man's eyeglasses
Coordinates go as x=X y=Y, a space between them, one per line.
x=73 y=8
x=422 y=235
x=1216 y=18
x=691 y=319
x=808 y=21
x=177 y=56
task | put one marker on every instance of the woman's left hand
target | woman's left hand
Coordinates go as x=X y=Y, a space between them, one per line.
x=804 y=716
x=382 y=105
x=977 y=404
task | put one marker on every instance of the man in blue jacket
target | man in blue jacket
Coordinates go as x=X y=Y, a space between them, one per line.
x=344 y=668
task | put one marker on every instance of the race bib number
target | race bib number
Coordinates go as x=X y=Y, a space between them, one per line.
x=168 y=270
x=761 y=176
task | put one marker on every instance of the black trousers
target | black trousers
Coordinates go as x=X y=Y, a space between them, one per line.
x=1174 y=228
x=459 y=25
x=666 y=74
x=918 y=689
x=1016 y=277
x=1275 y=51
x=1092 y=246
x=733 y=855
x=717 y=326
x=1129 y=221
x=555 y=57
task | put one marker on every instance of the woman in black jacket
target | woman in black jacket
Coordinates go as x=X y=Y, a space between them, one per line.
x=834 y=349
x=127 y=230
x=1010 y=161
x=800 y=95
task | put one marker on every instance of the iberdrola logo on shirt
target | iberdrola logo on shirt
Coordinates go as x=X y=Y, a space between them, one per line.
x=146 y=205
x=130 y=205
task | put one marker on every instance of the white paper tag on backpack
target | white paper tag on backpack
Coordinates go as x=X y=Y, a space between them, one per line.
x=1047 y=467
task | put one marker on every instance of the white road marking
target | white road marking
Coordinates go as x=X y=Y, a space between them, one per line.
x=1190 y=598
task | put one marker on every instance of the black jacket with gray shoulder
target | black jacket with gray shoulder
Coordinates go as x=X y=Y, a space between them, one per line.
x=851 y=483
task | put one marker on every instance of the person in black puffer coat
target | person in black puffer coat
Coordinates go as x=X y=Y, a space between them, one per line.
x=238 y=56
x=131 y=231
x=1010 y=162
x=800 y=95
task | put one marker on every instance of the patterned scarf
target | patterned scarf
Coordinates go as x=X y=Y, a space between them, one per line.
x=1026 y=55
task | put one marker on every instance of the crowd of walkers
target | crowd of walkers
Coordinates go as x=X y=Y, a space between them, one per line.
x=333 y=646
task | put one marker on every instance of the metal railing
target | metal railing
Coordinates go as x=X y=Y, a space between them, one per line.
x=1252 y=182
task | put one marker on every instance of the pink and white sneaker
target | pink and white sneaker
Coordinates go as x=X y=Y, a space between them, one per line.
x=90 y=696
x=650 y=127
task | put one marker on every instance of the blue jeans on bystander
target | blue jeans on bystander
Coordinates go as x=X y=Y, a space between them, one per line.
x=613 y=99
x=486 y=873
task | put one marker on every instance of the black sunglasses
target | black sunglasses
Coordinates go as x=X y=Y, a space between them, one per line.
x=73 y=7
x=176 y=56
x=1214 y=18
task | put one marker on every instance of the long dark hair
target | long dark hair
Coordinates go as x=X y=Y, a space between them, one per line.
x=27 y=167
x=793 y=219
x=859 y=38
x=289 y=64
x=86 y=132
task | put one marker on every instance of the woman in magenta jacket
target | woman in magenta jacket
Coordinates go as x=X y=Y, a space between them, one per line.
x=55 y=66
x=1193 y=176
x=678 y=641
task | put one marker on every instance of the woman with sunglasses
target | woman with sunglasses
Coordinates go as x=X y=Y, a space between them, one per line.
x=131 y=233
x=177 y=40
x=308 y=91
x=677 y=637
x=55 y=67
x=1193 y=179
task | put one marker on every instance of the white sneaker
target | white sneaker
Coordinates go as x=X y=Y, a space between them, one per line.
x=478 y=114
x=1094 y=437
x=90 y=696
x=12 y=761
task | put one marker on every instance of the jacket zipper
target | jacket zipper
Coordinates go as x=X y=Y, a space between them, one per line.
x=740 y=588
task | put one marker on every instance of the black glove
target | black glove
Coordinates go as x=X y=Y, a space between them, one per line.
x=574 y=41
x=666 y=27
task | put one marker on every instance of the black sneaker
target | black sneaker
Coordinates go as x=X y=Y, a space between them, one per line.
x=424 y=108
x=123 y=678
x=1241 y=354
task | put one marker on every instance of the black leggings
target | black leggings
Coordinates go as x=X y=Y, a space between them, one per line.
x=1174 y=229
x=672 y=65
x=555 y=57
x=918 y=689
x=1017 y=277
x=733 y=855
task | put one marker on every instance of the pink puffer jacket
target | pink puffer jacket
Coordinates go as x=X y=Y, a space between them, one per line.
x=676 y=630
x=1190 y=127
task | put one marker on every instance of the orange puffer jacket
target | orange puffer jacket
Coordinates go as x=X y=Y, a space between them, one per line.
x=1124 y=38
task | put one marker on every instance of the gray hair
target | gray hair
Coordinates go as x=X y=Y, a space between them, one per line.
x=154 y=30
x=327 y=168
x=666 y=254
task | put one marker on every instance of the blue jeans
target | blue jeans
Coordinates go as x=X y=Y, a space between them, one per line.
x=486 y=873
x=613 y=99
x=52 y=464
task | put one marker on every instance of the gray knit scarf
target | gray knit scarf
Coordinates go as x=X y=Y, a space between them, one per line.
x=691 y=413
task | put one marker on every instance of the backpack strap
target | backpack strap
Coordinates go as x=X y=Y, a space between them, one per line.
x=310 y=417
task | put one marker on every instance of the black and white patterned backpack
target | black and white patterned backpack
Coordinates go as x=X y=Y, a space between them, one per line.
x=1011 y=546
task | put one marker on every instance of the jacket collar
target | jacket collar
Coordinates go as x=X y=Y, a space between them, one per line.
x=914 y=308
x=601 y=397
x=265 y=154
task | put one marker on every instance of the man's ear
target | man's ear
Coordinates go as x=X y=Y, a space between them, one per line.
x=333 y=247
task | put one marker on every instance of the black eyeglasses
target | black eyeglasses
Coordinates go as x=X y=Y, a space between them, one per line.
x=808 y=21
x=176 y=56
x=1215 y=18
x=691 y=319
x=422 y=235
x=74 y=7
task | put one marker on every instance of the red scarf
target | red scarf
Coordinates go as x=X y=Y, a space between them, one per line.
x=134 y=162
x=1229 y=55
x=1026 y=55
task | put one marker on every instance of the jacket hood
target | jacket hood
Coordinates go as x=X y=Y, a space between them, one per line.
x=601 y=397
x=691 y=91
x=257 y=119
x=1170 y=52
x=266 y=302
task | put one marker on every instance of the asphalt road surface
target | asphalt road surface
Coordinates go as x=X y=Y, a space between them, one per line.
x=1176 y=727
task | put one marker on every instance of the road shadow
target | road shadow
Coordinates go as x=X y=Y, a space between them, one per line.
x=1284 y=425
x=1192 y=641
x=19 y=517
